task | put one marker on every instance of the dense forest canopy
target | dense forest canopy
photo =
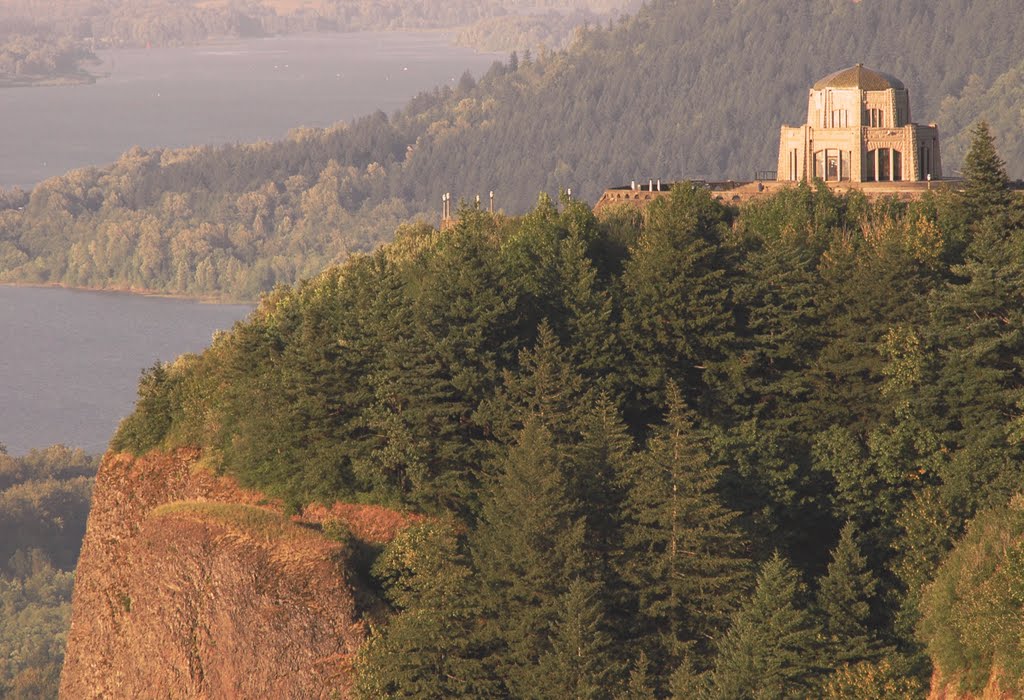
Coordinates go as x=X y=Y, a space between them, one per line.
x=681 y=90
x=693 y=452
x=44 y=501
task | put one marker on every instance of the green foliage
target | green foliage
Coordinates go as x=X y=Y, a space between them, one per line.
x=844 y=600
x=682 y=552
x=35 y=612
x=986 y=186
x=44 y=503
x=528 y=550
x=431 y=648
x=147 y=426
x=578 y=663
x=771 y=649
x=881 y=680
x=30 y=59
x=972 y=611
x=676 y=316
x=828 y=361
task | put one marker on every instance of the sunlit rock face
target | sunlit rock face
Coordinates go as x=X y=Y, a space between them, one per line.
x=189 y=586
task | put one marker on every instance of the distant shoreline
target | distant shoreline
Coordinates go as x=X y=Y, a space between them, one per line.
x=63 y=80
x=134 y=291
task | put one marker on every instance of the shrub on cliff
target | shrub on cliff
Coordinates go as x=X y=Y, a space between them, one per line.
x=973 y=612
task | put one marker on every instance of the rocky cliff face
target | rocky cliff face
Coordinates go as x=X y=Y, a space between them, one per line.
x=189 y=586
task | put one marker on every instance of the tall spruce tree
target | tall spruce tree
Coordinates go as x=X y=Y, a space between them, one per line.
x=677 y=321
x=986 y=186
x=638 y=686
x=528 y=549
x=589 y=316
x=781 y=335
x=580 y=662
x=977 y=321
x=545 y=387
x=844 y=600
x=683 y=554
x=772 y=648
x=599 y=481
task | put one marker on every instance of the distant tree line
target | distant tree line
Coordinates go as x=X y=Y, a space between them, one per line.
x=31 y=58
x=693 y=452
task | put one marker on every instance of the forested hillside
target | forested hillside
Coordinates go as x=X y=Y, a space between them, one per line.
x=44 y=501
x=682 y=90
x=698 y=453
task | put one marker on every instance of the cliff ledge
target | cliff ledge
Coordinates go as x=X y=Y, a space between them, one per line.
x=189 y=586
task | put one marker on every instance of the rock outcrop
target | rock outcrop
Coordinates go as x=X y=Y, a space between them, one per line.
x=943 y=688
x=189 y=586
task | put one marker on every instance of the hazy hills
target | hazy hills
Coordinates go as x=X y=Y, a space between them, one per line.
x=681 y=90
x=174 y=22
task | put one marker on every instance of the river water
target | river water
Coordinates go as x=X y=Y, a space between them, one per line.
x=70 y=360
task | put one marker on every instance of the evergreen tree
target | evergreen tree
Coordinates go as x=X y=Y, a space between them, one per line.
x=976 y=324
x=682 y=554
x=638 y=687
x=599 y=481
x=677 y=323
x=768 y=378
x=771 y=649
x=528 y=549
x=546 y=387
x=579 y=663
x=589 y=311
x=844 y=600
x=986 y=185
x=431 y=647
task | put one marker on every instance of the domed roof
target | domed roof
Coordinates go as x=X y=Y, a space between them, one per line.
x=859 y=77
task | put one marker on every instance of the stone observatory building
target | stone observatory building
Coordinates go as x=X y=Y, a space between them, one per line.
x=859 y=130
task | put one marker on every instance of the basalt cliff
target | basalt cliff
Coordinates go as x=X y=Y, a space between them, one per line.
x=189 y=586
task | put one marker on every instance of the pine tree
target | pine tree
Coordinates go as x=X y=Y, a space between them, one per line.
x=443 y=350
x=844 y=600
x=976 y=324
x=677 y=324
x=579 y=663
x=771 y=648
x=528 y=549
x=431 y=647
x=986 y=185
x=682 y=554
x=638 y=687
x=589 y=310
x=598 y=481
x=545 y=386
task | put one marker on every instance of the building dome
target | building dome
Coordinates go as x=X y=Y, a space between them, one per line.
x=859 y=129
x=861 y=78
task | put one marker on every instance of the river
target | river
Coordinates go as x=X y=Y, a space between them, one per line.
x=70 y=360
